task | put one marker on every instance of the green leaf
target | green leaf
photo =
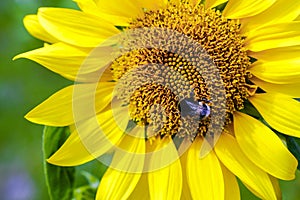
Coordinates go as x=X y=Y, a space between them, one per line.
x=245 y=193
x=92 y=180
x=59 y=180
x=294 y=147
x=250 y=110
x=85 y=193
x=221 y=7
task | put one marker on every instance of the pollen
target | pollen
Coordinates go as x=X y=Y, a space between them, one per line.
x=154 y=104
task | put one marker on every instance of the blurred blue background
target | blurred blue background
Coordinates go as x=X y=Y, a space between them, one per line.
x=23 y=85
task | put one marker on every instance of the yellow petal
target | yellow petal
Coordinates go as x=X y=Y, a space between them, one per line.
x=253 y=191
x=117 y=184
x=278 y=72
x=232 y=190
x=263 y=147
x=280 y=112
x=77 y=28
x=186 y=192
x=276 y=186
x=35 y=29
x=59 y=58
x=125 y=170
x=245 y=8
x=274 y=36
x=90 y=7
x=213 y=3
x=126 y=8
x=91 y=139
x=195 y=2
x=153 y=5
x=277 y=54
x=57 y=110
x=71 y=153
x=204 y=175
x=166 y=182
x=129 y=155
x=291 y=89
x=141 y=190
x=280 y=11
x=229 y=152
x=96 y=66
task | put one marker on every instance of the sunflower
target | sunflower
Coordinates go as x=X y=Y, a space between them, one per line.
x=182 y=121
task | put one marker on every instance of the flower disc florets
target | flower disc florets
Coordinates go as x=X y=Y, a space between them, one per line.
x=221 y=40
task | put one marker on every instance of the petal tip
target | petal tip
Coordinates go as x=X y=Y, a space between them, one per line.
x=16 y=57
x=41 y=9
x=54 y=161
x=22 y=55
x=28 y=116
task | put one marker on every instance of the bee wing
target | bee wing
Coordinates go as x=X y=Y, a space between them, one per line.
x=189 y=107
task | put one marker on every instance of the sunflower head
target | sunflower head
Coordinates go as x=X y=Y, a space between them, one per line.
x=180 y=91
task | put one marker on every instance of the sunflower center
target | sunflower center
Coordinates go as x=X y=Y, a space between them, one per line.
x=155 y=104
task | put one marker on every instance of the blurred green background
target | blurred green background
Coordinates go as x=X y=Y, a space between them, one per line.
x=23 y=85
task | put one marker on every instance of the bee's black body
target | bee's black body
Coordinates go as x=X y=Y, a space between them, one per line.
x=190 y=107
